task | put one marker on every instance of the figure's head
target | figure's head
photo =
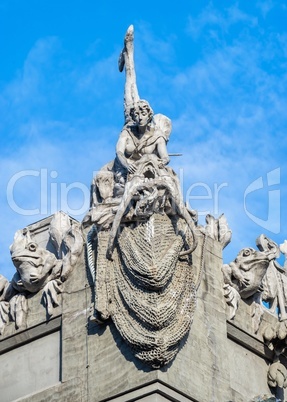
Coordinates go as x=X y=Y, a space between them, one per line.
x=105 y=184
x=141 y=113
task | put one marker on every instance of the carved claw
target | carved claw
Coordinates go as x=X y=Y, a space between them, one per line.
x=188 y=251
x=261 y=288
x=244 y=282
x=20 y=283
x=50 y=296
x=277 y=375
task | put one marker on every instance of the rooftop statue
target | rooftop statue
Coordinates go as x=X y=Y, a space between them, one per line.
x=257 y=278
x=140 y=163
x=39 y=270
x=140 y=235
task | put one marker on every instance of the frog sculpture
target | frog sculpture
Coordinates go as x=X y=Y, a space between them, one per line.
x=257 y=277
x=39 y=270
x=35 y=265
x=246 y=272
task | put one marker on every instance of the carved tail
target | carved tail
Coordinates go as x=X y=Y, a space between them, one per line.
x=126 y=59
x=117 y=220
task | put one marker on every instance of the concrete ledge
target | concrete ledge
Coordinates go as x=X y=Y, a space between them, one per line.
x=30 y=334
x=156 y=391
x=248 y=341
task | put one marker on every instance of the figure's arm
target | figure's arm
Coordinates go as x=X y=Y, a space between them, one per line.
x=131 y=95
x=120 y=151
x=120 y=148
x=162 y=150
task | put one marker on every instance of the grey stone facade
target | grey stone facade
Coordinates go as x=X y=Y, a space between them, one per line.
x=70 y=357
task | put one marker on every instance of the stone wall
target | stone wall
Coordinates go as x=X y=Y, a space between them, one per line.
x=71 y=357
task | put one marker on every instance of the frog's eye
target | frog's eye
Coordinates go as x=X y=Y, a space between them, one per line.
x=246 y=252
x=32 y=246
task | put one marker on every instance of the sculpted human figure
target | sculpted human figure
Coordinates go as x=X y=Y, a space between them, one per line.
x=141 y=138
x=143 y=132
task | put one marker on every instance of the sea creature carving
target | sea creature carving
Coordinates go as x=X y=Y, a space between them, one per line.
x=258 y=277
x=257 y=274
x=38 y=269
x=246 y=272
x=277 y=375
x=35 y=265
x=155 y=190
x=243 y=279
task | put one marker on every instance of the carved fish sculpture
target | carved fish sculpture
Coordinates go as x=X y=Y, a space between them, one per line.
x=246 y=272
x=150 y=176
x=35 y=265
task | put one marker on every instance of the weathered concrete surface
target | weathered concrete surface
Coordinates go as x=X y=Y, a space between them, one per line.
x=36 y=314
x=206 y=340
x=248 y=372
x=72 y=390
x=30 y=367
x=96 y=365
x=206 y=343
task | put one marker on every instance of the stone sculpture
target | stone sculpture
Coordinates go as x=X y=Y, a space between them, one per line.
x=38 y=269
x=140 y=234
x=257 y=273
x=257 y=277
x=218 y=229
x=243 y=277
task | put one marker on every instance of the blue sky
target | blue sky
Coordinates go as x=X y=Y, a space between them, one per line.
x=218 y=69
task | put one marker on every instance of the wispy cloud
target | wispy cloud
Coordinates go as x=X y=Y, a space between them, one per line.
x=50 y=139
x=234 y=121
x=216 y=21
